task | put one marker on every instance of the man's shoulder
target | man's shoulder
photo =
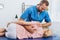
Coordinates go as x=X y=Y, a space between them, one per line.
x=31 y=7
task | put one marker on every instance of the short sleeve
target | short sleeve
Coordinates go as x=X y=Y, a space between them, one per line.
x=25 y=14
x=47 y=18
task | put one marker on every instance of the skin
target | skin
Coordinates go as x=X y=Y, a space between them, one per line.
x=29 y=24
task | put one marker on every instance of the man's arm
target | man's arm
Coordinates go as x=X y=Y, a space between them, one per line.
x=22 y=22
x=47 y=20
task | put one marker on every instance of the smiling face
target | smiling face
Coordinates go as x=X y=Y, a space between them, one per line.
x=42 y=7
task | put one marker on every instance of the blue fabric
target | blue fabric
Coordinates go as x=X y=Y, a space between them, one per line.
x=5 y=38
x=47 y=38
x=31 y=14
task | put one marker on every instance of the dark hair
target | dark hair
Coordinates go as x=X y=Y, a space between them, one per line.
x=44 y=1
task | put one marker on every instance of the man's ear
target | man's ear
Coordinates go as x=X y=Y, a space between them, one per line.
x=47 y=8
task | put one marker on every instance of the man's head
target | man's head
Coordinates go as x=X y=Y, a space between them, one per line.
x=43 y=5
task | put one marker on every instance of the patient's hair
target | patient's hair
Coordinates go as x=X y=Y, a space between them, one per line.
x=44 y=1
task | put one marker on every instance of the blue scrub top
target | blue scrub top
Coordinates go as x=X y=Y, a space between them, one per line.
x=31 y=14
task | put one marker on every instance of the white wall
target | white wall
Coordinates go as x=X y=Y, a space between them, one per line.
x=55 y=10
x=11 y=8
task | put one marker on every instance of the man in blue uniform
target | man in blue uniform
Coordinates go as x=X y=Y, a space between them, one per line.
x=36 y=13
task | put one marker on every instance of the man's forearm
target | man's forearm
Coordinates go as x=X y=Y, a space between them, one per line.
x=22 y=22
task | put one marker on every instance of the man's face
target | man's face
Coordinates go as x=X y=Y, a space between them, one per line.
x=43 y=7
